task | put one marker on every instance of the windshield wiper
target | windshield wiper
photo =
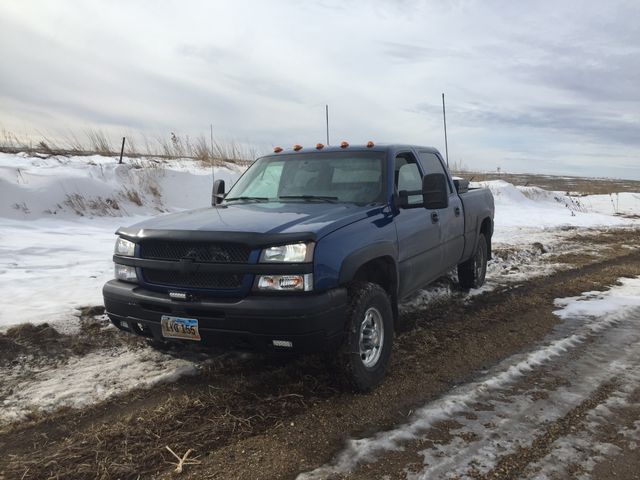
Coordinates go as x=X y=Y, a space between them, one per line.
x=309 y=198
x=247 y=199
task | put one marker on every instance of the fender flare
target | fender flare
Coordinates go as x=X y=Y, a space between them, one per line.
x=356 y=259
x=485 y=216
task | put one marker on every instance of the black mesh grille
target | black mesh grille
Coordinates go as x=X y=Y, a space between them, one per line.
x=207 y=280
x=198 y=251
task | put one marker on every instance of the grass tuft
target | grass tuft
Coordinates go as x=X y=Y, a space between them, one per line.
x=98 y=142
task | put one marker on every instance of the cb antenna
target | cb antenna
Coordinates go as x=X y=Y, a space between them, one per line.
x=326 y=112
x=444 y=117
x=213 y=173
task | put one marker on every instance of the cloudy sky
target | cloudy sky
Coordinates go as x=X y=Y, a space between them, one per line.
x=539 y=86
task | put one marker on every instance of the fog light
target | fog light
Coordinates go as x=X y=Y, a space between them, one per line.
x=126 y=273
x=285 y=282
x=178 y=296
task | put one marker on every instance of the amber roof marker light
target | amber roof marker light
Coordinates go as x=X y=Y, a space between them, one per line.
x=370 y=144
x=344 y=144
x=297 y=148
x=319 y=146
x=277 y=149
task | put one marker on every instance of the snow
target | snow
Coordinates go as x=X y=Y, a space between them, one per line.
x=50 y=267
x=81 y=381
x=597 y=304
x=93 y=186
x=58 y=217
x=522 y=211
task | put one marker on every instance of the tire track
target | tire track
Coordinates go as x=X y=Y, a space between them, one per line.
x=508 y=424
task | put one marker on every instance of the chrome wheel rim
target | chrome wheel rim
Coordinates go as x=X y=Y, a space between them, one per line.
x=371 y=337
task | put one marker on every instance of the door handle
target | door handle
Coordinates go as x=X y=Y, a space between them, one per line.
x=457 y=211
x=434 y=217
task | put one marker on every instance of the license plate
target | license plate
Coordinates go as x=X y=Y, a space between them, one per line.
x=178 y=327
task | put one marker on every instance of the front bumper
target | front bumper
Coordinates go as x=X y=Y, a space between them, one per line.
x=311 y=322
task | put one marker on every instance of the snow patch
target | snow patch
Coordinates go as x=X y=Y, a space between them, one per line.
x=81 y=381
x=598 y=304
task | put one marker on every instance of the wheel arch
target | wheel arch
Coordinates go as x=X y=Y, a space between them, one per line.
x=376 y=264
x=486 y=228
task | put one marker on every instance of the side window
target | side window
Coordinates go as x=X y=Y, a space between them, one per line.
x=431 y=164
x=408 y=177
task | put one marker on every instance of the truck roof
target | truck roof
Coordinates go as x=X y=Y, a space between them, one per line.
x=382 y=147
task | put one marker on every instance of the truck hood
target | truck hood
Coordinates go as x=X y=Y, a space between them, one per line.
x=264 y=218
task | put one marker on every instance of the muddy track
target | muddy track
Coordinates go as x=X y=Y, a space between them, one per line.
x=255 y=417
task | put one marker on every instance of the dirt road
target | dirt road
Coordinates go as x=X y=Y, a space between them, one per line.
x=492 y=386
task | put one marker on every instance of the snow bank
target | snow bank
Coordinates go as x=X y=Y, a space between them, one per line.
x=57 y=186
x=533 y=207
x=58 y=217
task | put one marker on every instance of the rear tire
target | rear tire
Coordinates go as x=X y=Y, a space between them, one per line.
x=472 y=273
x=365 y=353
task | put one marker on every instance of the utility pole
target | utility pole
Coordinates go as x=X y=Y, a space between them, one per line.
x=446 y=145
x=326 y=111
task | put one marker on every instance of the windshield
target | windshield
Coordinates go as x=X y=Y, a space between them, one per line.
x=352 y=177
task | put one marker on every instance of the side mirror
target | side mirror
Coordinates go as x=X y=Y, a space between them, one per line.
x=435 y=192
x=217 y=194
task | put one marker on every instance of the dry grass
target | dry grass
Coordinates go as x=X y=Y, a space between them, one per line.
x=93 y=141
x=573 y=185
x=97 y=205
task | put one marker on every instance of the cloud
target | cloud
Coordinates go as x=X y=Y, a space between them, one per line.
x=522 y=80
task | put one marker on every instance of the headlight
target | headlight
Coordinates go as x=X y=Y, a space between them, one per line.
x=285 y=283
x=125 y=247
x=126 y=273
x=292 y=253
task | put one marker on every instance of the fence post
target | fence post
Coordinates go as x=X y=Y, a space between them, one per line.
x=121 y=151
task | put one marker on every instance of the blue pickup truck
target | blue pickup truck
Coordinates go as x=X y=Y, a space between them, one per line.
x=311 y=250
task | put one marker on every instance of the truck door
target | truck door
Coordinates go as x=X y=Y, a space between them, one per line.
x=420 y=255
x=450 y=219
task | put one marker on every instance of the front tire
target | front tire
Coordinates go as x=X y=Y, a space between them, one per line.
x=472 y=273
x=365 y=353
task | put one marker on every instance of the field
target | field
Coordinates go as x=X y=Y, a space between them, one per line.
x=533 y=376
x=577 y=185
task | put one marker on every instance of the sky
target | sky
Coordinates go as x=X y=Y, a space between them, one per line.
x=538 y=87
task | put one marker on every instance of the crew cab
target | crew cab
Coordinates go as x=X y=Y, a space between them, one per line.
x=311 y=250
